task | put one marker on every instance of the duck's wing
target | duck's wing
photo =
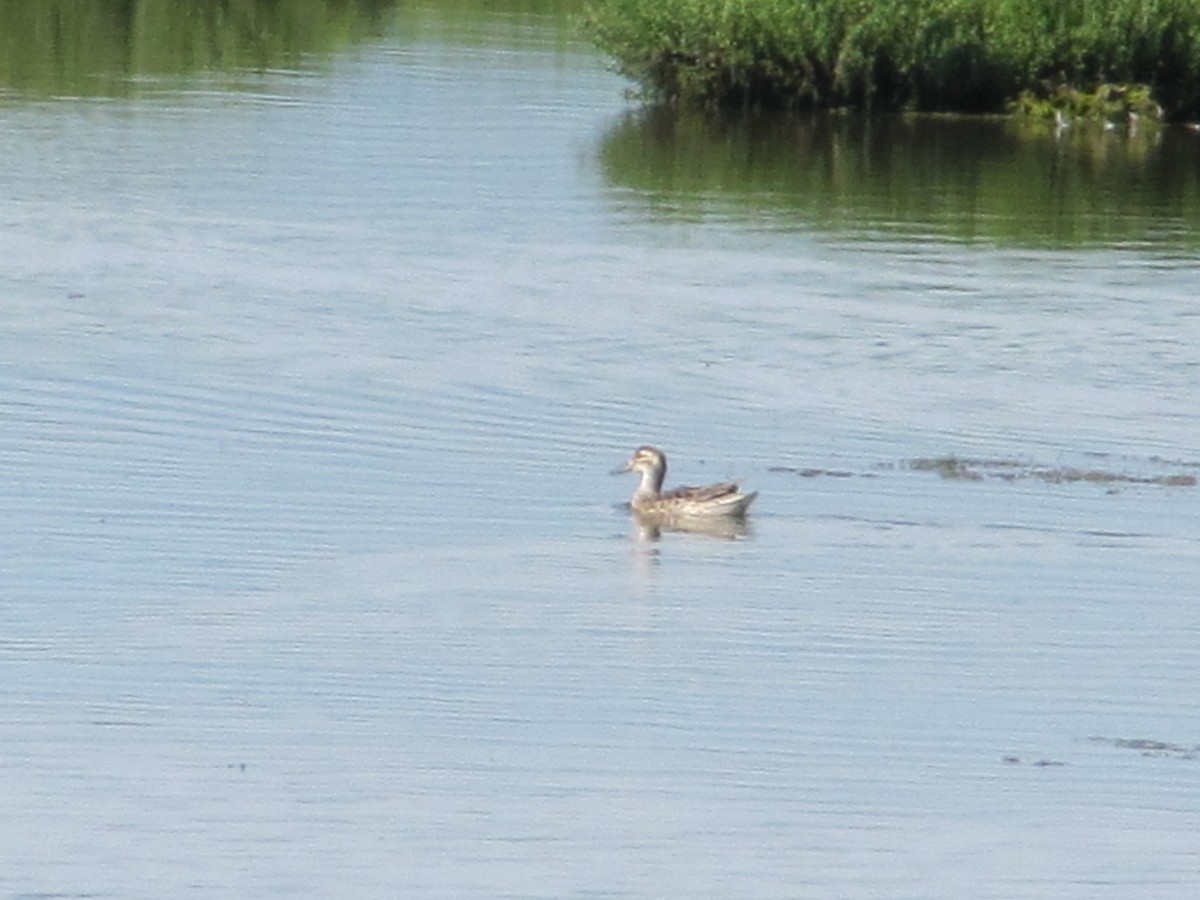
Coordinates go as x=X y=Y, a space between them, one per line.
x=704 y=494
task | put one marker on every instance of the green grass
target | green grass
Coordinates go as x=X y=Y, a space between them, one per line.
x=946 y=55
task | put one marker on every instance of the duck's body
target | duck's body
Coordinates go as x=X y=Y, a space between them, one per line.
x=711 y=501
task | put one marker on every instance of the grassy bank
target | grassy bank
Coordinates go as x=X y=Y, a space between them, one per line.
x=960 y=55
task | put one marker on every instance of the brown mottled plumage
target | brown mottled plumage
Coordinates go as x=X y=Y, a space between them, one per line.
x=682 y=502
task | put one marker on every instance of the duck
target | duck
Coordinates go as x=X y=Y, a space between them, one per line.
x=714 y=501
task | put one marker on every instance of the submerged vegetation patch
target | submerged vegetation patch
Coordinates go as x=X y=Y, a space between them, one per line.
x=957 y=468
x=1143 y=746
x=930 y=55
x=1150 y=747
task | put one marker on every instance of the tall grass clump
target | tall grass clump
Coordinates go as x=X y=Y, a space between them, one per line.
x=964 y=55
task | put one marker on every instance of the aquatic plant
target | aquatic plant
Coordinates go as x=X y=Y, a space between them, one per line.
x=1106 y=102
x=966 y=55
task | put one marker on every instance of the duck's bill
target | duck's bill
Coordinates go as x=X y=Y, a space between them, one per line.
x=621 y=469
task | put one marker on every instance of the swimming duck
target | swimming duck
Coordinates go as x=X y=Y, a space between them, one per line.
x=650 y=500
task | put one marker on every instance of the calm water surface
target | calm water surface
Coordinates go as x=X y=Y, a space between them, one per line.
x=315 y=584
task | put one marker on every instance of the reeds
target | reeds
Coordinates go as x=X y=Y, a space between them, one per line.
x=960 y=55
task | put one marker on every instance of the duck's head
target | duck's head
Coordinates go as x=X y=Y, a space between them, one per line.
x=645 y=460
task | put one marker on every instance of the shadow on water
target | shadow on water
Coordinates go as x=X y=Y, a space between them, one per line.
x=964 y=179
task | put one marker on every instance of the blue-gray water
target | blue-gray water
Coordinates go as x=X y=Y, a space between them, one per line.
x=314 y=582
